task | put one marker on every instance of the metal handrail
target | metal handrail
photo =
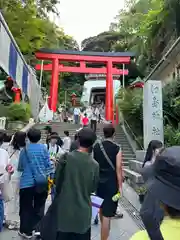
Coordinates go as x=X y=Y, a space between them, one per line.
x=133 y=134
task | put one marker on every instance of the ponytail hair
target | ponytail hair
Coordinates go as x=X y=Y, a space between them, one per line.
x=153 y=145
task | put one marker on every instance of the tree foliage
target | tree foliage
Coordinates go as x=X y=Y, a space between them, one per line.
x=130 y=104
x=139 y=23
x=144 y=27
x=32 y=29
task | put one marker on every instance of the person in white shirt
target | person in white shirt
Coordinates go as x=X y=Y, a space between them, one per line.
x=60 y=109
x=4 y=162
x=76 y=115
x=12 y=207
x=94 y=118
x=55 y=152
x=67 y=142
x=54 y=149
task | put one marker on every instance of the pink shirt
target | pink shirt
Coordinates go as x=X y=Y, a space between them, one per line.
x=85 y=121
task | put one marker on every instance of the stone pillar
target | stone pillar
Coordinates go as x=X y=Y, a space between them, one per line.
x=152 y=112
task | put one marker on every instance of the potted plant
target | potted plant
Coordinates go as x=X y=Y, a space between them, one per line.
x=141 y=191
x=18 y=115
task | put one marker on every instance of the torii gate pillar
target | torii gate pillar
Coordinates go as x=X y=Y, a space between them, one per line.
x=109 y=93
x=54 y=85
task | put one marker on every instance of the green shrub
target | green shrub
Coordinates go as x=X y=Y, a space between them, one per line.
x=130 y=105
x=141 y=190
x=3 y=110
x=19 y=112
x=171 y=136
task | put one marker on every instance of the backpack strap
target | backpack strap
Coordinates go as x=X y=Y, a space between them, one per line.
x=57 y=149
x=106 y=156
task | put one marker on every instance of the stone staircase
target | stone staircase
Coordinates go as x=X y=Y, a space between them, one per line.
x=129 y=158
x=132 y=166
x=127 y=151
x=59 y=128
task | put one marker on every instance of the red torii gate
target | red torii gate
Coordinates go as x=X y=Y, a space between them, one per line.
x=107 y=58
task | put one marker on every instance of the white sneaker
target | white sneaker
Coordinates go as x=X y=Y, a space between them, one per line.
x=24 y=235
x=36 y=234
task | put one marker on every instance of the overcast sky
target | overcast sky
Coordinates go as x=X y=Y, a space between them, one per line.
x=84 y=18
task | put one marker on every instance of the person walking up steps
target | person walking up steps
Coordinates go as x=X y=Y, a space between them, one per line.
x=35 y=167
x=81 y=178
x=108 y=155
x=77 y=113
x=4 y=162
x=66 y=142
x=55 y=152
x=12 y=208
x=94 y=118
x=85 y=120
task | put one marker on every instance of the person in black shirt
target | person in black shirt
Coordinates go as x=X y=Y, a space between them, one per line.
x=110 y=182
x=48 y=131
x=74 y=144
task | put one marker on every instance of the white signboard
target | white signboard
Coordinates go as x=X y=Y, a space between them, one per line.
x=45 y=114
x=152 y=112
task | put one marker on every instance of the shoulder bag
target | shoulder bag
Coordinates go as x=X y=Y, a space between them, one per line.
x=41 y=180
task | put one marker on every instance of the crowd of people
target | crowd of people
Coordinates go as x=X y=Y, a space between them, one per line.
x=70 y=172
x=89 y=116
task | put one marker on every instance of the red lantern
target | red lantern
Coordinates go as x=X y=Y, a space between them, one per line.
x=17 y=94
x=73 y=99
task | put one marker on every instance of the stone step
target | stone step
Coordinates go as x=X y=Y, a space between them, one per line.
x=125 y=163
x=128 y=152
x=135 y=165
x=133 y=176
x=120 y=137
x=125 y=143
x=128 y=159
x=126 y=146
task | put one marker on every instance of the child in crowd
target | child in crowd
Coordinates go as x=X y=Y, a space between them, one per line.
x=85 y=120
x=66 y=142
x=55 y=152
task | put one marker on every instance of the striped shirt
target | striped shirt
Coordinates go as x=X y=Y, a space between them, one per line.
x=37 y=162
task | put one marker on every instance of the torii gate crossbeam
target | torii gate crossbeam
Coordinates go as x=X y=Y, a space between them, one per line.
x=107 y=58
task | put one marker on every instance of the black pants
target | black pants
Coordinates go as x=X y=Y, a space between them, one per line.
x=32 y=205
x=152 y=216
x=94 y=125
x=74 y=236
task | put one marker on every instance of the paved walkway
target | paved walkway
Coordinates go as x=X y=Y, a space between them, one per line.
x=121 y=229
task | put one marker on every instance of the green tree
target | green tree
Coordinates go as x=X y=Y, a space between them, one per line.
x=32 y=30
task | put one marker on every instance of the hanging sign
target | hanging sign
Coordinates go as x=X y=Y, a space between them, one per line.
x=46 y=114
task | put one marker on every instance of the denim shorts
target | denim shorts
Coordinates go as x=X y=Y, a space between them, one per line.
x=1 y=214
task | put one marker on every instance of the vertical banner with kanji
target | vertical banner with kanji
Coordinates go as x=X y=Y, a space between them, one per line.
x=152 y=112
